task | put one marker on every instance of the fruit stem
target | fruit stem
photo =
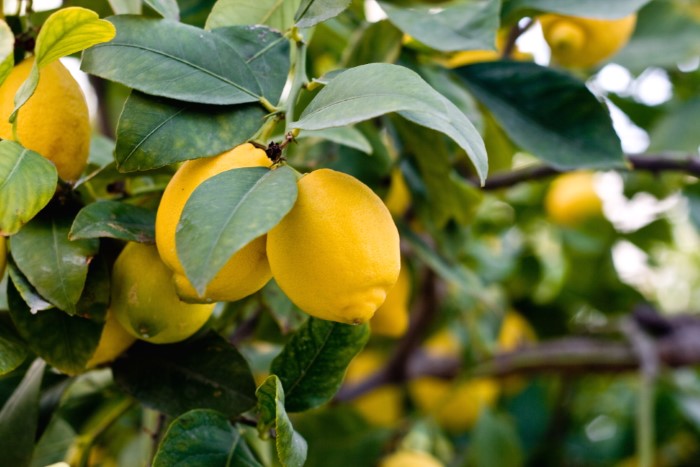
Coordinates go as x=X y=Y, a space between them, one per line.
x=299 y=79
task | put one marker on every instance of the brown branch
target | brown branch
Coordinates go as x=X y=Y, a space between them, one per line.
x=515 y=32
x=650 y=163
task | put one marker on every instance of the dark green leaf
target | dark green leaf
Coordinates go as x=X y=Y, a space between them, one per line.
x=54 y=265
x=154 y=131
x=65 y=342
x=291 y=447
x=12 y=349
x=312 y=12
x=273 y=13
x=175 y=378
x=114 y=219
x=459 y=25
x=29 y=294
x=202 y=438
x=676 y=130
x=228 y=211
x=495 y=442
x=19 y=418
x=586 y=8
x=375 y=89
x=287 y=315
x=380 y=42
x=174 y=60
x=27 y=183
x=548 y=112
x=313 y=362
x=168 y=9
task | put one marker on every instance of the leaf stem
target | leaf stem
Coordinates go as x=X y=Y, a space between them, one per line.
x=299 y=79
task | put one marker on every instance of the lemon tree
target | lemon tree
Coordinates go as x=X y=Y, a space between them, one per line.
x=349 y=233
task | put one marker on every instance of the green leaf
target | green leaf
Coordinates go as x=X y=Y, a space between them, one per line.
x=175 y=378
x=54 y=265
x=29 y=294
x=27 y=183
x=114 y=219
x=312 y=12
x=458 y=25
x=19 y=418
x=154 y=131
x=168 y=9
x=12 y=350
x=495 y=442
x=70 y=30
x=174 y=60
x=228 y=211
x=312 y=364
x=291 y=447
x=126 y=7
x=65 y=32
x=274 y=13
x=285 y=313
x=346 y=135
x=7 y=44
x=379 y=42
x=65 y=342
x=547 y=112
x=675 y=131
x=203 y=438
x=586 y=8
x=368 y=91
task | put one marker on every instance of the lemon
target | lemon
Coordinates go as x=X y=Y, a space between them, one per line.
x=54 y=122
x=454 y=405
x=584 y=42
x=3 y=255
x=144 y=299
x=336 y=253
x=398 y=198
x=410 y=458
x=113 y=342
x=467 y=57
x=382 y=406
x=571 y=199
x=247 y=271
x=515 y=332
x=391 y=319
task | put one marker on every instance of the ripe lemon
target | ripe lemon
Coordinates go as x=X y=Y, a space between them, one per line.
x=336 y=253
x=113 y=342
x=398 y=198
x=3 y=255
x=382 y=406
x=455 y=405
x=584 y=42
x=145 y=302
x=571 y=199
x=247 y=271
x=410 y=458
x=391 y=319
x=515 y=332
x=54 y=122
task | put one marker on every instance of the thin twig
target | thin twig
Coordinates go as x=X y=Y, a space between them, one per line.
x=515 y=32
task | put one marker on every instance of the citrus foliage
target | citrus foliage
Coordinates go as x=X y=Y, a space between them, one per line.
x=298 y=233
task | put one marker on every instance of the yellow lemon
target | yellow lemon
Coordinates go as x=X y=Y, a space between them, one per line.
x=336 y=253
x=584 y=42
x=54 y=122
x=515 y=332
x=247 y=271
x=113 y=342
x=382 y=406
x=410 y=458
x=145 y=302
x=467 y=57
x=3 y=255
x=398 y=198
x=571 y=199
x=391 y=319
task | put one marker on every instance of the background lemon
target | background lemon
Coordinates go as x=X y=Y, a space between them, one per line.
x=571 y=199
x=391 y=319
x=409 y=458
x=382 y=406
x=144 y=300
x=3 y=255
x=54 y=122
x=248 y=270
x=585 y=42
x=336 y=253
x=113 y=342
x=398 y=198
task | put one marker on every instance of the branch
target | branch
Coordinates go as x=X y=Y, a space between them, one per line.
x=515 y=32
x=650 y=163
